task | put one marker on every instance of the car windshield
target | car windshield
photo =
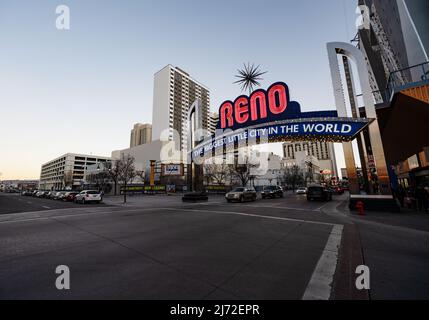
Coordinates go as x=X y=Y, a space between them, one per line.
x=238 y=190
x=93 y=192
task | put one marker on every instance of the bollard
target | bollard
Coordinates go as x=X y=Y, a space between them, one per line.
x=361 y=208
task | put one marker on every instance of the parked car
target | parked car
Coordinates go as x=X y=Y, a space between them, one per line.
x=52 y=194
x=259 y=188
x=318 y=192
x=272 y=192
x=58 y=195
x=241 y=195
x=70 y=196
x=34 y=193
x=42 y=194
x=47 y=195
x=301 y=191
x=87 y=196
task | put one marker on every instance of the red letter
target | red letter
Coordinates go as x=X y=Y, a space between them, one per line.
x=226 y=115
x=241 y=110
x=279 y=90
x=258 y=96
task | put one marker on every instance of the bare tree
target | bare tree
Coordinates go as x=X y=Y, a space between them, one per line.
x=141 y=174
x=209 y=173
x=113 y=171
x=244 y=171
x=100 y=179
x=220 y=173
x=127 y=172
x=293 y=176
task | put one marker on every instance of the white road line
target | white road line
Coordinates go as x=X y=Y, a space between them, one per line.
x=46 y=207
x=279 y=207
x=320 y=285
x=320 y=208
x=253 y=215
x=75 y=215
x=202 y=203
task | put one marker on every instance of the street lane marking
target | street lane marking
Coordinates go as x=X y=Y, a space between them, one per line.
x=46 y=207
x=150 y=209
x=320 y=285
x=320 y=208
x=254 y=216
x=53 y=217
x=280 y=207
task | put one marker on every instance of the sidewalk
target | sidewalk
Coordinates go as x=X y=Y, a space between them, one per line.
x=134 y=200
x=394 y=247
x=406 y=218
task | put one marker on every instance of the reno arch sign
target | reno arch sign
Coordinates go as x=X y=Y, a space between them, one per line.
x=271 y=116
x=260 y=106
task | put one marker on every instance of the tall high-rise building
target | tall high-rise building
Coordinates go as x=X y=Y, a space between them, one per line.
x=140 y=134
x=323 y=151
x=174 y=92
x=396 y=40
x=213 y=121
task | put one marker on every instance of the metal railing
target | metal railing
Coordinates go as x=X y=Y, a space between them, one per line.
x=401 y=79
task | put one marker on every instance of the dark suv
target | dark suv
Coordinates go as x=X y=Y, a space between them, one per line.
x=272 y=192
x=319 y=193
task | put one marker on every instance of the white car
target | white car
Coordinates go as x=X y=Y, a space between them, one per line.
x=301 y=191
x=88 y=196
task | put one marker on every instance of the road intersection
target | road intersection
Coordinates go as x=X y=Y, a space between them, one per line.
x=157 y=247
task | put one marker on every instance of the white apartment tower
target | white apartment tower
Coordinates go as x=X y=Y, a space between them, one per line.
x=140 y=134
x=213 y=121
x=323 y=151
x=174 y=92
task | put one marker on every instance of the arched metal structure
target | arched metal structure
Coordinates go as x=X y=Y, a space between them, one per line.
x=194 y=136
x=354 y=54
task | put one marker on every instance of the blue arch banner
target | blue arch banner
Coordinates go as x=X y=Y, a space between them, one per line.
x=268 y=116
x=321 y=129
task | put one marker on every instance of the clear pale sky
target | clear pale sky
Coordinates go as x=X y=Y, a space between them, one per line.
x=82 y=90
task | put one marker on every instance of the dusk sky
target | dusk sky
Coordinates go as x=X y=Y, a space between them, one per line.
x=82 y=90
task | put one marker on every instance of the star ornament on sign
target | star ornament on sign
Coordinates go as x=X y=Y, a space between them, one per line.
x=249 y=77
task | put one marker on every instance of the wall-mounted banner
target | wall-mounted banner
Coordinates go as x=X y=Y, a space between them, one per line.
x=169 y=170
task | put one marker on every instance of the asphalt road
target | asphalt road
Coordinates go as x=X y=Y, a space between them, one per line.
x=164 y=249
x=160 y=248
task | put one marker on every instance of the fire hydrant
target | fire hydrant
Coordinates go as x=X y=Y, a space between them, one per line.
x=360 y=206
